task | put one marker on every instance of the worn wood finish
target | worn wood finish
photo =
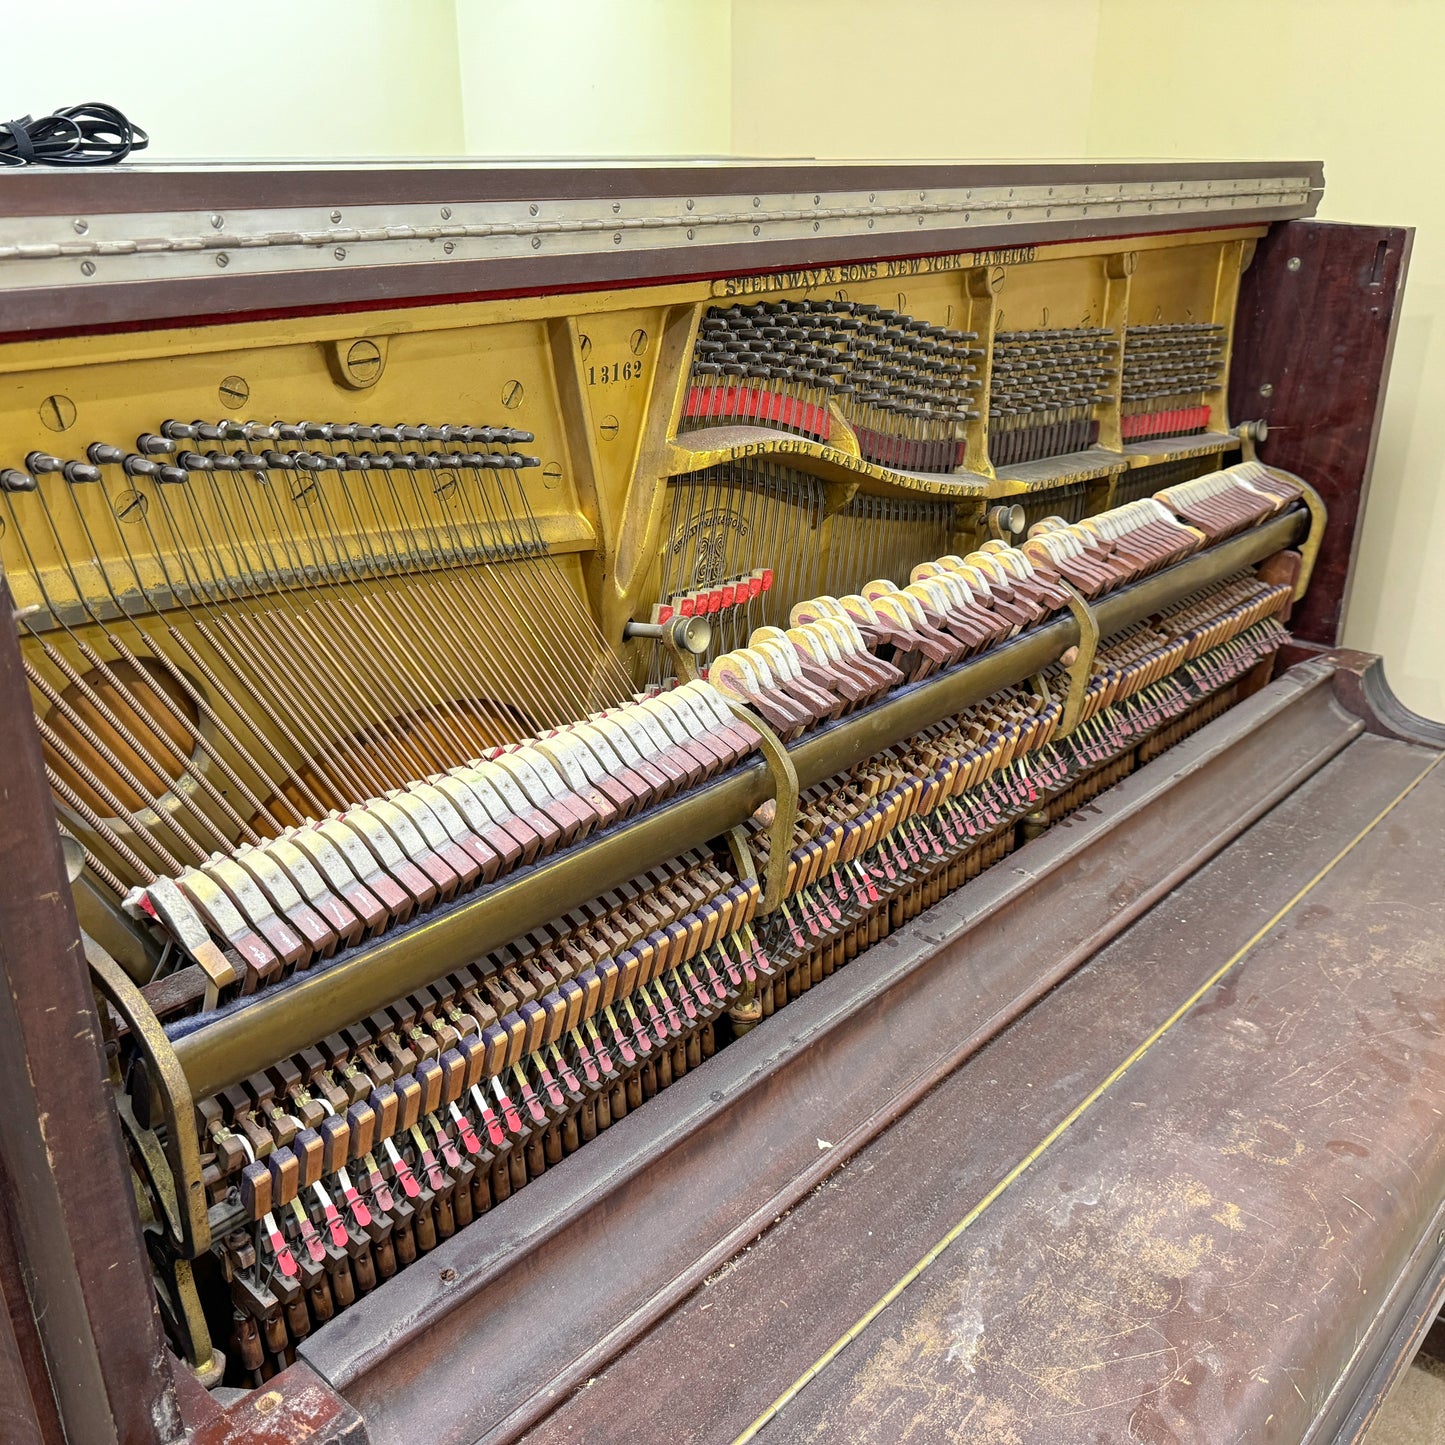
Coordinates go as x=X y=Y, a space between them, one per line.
x=1316 y=322
x=20 y=1421
x=26 y=1400
x=1162 y=1271
x=74 y=1231
x=294 y=1408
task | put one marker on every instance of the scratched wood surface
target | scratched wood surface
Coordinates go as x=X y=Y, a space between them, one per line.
x=1195 y=1256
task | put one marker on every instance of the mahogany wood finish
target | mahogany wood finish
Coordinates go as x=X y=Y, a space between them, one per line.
x=1317 y=316
x=83 y=1320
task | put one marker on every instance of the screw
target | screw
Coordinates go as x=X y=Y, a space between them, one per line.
x=512 y=395
x=87 y=268
x=757 y=230
x=617 y=238
x=217 y=222
x=81 y=227
x=448 y=1275
x=757 y=201
x=607 y=427
x=818 y=225
x=445 y=486
x=222 y=260
x=363 y=361
x=690 y=204
x=130 y=506
x=446 y=214
x=235 y=392
x=552 y=475
x=533 y=208
x=1267 y=389
x=817 y=200
x=871 y=223
x=638 y=342
x=340 y=253
x=336 y=218
x=616 y=208
x=58 y=412
x=691 y=234
x=584 y=345
x=536 y=243
x=1293 y=264
x=449 y=246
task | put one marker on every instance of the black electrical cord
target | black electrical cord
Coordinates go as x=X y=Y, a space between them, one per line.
x=92 y=134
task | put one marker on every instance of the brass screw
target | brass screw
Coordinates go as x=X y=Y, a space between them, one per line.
x=512 y=395
x=607 y=427
x=58 y=412
x=363 y=361
x=235 y=392
x=639 y=342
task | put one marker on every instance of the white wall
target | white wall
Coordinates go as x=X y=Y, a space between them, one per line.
x=595 y=77
x=266 y=78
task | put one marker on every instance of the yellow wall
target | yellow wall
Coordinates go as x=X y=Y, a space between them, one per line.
x=1360 y=87
x=595 y=77
x=970 y=79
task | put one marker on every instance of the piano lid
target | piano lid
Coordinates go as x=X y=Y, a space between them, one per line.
x=163 y=242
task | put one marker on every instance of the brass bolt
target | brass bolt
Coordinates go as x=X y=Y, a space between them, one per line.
x=363 y=361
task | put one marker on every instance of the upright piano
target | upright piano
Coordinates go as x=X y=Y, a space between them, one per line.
x=704 y=802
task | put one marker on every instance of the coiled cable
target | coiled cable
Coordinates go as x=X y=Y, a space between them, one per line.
x=93 y=134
